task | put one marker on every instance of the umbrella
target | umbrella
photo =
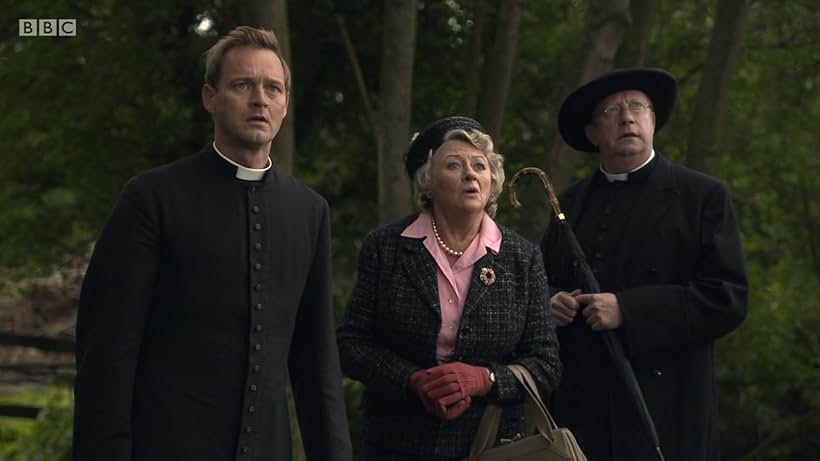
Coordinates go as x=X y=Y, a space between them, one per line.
x=590 y=285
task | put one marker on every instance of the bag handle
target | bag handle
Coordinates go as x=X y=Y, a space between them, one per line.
x=536 y=411
x=528 y=382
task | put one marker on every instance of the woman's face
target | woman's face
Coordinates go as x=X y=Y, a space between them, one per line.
x=460 y=177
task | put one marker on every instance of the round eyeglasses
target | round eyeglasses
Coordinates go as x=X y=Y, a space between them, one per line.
x=635 y=107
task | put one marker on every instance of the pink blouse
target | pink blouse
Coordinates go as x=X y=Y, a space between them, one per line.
x=453 y=281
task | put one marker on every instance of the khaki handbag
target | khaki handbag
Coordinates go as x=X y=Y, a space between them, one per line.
x=548 y=443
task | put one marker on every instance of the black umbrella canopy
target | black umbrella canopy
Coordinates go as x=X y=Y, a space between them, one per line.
x=589 y=284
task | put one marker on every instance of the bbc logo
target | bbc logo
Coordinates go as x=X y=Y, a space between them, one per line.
x=48 y=28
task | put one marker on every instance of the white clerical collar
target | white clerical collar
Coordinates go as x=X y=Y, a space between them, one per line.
x=612 y=177
x=244 y=173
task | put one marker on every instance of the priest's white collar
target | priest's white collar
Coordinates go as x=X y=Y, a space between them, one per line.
x=244 y=173
x=612 y=177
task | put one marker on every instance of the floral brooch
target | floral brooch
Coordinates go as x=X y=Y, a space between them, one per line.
x=487 y=276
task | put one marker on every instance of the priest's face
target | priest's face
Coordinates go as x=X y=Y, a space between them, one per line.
x=249 y=101
x=623 y=128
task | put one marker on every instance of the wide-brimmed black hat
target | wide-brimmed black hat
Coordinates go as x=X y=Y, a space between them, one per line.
x=432 y=137
x=576 y=111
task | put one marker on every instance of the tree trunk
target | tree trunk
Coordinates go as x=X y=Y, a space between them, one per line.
x=396 y=86
x=636 y=41
x=605 y=27
x=373 y=125
x=273 y=15
x=498 y=67
x=710 y=106
x=476 y=56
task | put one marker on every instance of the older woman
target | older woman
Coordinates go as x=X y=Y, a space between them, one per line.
x=444 y=299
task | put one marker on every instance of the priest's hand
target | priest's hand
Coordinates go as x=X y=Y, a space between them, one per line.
x=601 y=310
x=564 y=307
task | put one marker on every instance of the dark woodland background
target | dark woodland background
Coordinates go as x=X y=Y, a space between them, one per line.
x=80 y=115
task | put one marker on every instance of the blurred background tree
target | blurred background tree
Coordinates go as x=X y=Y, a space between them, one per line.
x=83 y=114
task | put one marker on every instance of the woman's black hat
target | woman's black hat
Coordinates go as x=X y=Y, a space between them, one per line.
x=432 y=137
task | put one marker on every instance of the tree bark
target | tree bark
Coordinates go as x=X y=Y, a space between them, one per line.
x=273 y=15
x=396 y=87
x=710 y=106
x=606 y=24
x=498 y=67
x=372 y=120
x=636 y=41
x=476 y=57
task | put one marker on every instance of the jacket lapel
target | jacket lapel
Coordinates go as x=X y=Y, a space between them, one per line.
x=478 y=288
x=654 y=201
x=421 y=271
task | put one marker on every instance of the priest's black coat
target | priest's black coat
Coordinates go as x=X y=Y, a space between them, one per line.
x=681 y=283
x=203 y=295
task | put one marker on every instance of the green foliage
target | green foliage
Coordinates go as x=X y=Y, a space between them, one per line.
x=47 y=438
x=84 y=115
x=770 y=371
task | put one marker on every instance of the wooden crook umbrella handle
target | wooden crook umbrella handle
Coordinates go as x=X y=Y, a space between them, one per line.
x=553 y=198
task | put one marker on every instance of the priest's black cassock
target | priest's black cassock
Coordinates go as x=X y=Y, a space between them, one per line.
x=204 y=294
x=666 y=242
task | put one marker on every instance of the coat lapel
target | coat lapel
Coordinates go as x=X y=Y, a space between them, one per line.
x=478 y=289
x=421 y=271
x=655 y=200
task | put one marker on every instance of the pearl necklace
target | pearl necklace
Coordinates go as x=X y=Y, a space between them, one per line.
x=441 y=243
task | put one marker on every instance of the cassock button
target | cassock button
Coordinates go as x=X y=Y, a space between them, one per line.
x=257 y=226
x=257 y=287
x=657 y=372
x=252 y=387
x=244 y=450
x=257 y=266
x=256 y=209
x=249 y=429
x=257 y=368
x=258 y=347
x=258 y=327
x=258 y=306
x=251 y=409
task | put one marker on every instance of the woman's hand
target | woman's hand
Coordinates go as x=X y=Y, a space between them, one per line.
x=433 y=406
x=453 y=382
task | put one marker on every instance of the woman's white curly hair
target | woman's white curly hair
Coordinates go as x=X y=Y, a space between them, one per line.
x=479 y=140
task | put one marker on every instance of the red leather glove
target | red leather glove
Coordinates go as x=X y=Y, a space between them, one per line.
x=417 y=380
x=457 y=409
x=455 y=381
x=447 y=412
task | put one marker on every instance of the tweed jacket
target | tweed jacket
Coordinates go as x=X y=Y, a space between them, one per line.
x=681 y=284
x=203 y=295
x=392 y=321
